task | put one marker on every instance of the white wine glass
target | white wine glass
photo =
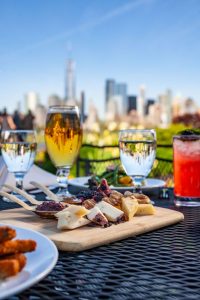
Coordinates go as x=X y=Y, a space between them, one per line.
x=63 y=137
x=137 y=153
x=18 y=149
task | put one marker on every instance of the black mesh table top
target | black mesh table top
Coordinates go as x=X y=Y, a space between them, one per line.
x=164 y=264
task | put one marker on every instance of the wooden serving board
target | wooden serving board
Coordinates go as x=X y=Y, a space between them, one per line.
x=89 y=237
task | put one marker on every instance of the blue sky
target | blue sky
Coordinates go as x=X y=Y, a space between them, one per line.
x=151 y=42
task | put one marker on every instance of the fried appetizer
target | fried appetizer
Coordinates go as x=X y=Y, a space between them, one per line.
x=6 y=233
x=9 y=267
x=20 y=257
x=17 y=246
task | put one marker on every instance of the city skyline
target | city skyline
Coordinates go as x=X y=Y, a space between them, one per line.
x=109 y=39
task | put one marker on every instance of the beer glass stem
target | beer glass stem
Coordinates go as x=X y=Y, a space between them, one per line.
x=62 y=179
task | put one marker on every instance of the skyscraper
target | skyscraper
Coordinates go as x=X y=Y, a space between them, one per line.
x=31 y=101
x=117 y=92
x=132 y=103
x=40 y=115
x=165 y=101
x=121 y=92
x=82 y=106
x=109 y=90
x=70 y=92
x=141 y=102
x=148 y=104
x=169 y=106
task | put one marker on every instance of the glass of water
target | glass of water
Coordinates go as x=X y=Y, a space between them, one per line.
x=137 y=153
x=18 y=149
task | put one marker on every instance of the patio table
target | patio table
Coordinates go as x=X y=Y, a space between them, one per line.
x=164 y=264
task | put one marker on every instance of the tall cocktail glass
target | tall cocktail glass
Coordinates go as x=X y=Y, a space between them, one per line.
x=186 y=150
x=63 y=137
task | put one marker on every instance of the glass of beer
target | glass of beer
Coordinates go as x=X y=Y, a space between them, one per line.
x=63 y=137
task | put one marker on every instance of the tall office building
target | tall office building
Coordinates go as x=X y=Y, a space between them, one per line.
x=40 y=116
x=149 y=102
x=70 y=89
x=109 y=90
x=132 y=103
x=190 y=106
x=82 y=106
x=141 y=102
x=112 y=109
x=31 y=101
x=165 y=101
x=177 y=106
x=169 y=106
x=121 y=92
x=154 y=115
x=116 y=92
x=19 y=106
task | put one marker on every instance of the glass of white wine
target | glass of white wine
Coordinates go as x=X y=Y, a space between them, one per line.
x=18 y=149
x=63 y=137
x=137 y=153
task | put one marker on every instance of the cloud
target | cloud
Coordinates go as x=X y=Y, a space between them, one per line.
x=120 y=10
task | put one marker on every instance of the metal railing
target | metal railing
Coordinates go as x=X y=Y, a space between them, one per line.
x=103 y=156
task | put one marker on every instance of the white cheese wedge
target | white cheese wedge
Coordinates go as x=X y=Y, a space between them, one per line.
x=77 y=210
x=70 y=221
x=129 y=206
x=112 y=213
x=96 y=216
x=145 y=210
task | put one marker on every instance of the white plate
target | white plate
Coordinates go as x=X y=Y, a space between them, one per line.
x=150 y=184
x=39 y=263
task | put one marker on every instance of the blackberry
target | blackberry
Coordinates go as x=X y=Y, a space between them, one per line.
x=103 y=187
x=98 y=197
x=87 y=194
x=93 y=183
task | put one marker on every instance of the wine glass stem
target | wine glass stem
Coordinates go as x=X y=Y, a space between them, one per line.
x=62 y=179
x=137 y=184
x=19 y=180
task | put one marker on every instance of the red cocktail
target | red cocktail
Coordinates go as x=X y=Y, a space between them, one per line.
x=187 y=170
